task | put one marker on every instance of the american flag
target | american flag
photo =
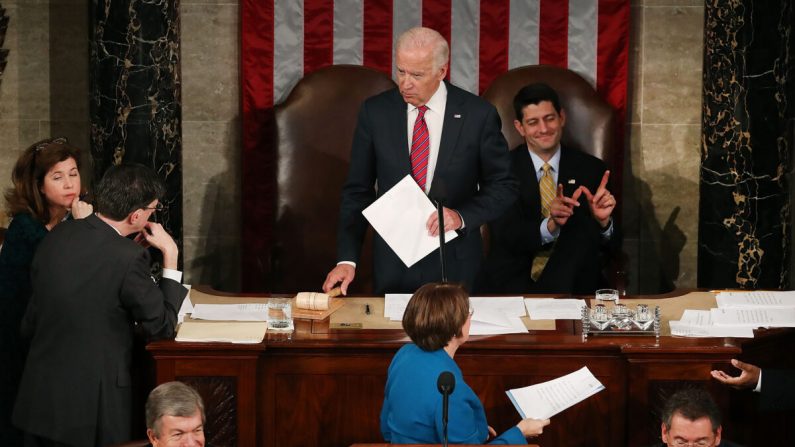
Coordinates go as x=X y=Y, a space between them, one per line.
x=282 y=40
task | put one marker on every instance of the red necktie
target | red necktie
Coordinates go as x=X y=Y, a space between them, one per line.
x=420 y=148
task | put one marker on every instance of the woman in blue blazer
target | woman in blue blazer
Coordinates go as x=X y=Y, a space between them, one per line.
x=437 y=320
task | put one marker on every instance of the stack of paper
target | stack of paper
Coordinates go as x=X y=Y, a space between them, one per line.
x=699 y=323
x=756 y=300
x=231 y=312
x=752 y=318
x=554 y=308
x=227 y=332
x=544 y=400
x=497 y=315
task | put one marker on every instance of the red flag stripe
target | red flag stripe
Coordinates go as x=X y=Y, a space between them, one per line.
x=377 y=39
x=553 y=32
x=318 y=34
x=494 y=41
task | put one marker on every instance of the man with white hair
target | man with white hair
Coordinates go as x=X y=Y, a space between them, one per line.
x=450 y=142
x=175 y=416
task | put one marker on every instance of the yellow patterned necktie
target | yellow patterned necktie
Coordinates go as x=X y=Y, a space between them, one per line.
x=547 y=188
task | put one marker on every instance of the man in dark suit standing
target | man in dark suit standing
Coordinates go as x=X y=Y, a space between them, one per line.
x=90 y=285
x=450 y=141
x=549 y=241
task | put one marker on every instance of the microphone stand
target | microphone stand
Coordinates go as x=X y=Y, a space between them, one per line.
x=439 y=211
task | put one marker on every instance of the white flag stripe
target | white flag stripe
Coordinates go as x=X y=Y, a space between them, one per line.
x=464 y=48
x=523 y=33
x=583 y=33
x=348 y=25
x=406 y=14
x=288 y=47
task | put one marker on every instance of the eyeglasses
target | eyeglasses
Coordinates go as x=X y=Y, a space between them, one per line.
x=45 y=143
x=699 y=443
x=159 y=207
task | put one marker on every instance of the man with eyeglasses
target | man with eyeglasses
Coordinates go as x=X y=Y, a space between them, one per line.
x=691 y=418
x=91 y=285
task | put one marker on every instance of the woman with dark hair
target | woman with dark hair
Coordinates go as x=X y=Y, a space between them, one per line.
x=46 y=190
x=437 y=319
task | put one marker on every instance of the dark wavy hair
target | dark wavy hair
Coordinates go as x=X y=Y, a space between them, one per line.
x=435 y=314
x=28 y=176
x=126 y=188
x=535 y=93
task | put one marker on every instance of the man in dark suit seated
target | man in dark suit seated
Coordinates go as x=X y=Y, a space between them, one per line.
x=550 y=240
x=691 y=418
x=450 y=142
x=175 y=416
x=91 y=284
x=778 y=391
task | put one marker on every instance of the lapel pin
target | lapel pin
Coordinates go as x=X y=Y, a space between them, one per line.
x=572 y=181
x=457 y=115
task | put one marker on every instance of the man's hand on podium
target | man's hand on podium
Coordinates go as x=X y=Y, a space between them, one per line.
x=343 y=275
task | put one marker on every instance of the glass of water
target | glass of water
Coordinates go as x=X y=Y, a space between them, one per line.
x=279 y=313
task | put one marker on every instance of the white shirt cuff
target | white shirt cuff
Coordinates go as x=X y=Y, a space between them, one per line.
x=607 y=233
x=352 y=264
x=546 y=236
x=176 y=275
x=758 y=388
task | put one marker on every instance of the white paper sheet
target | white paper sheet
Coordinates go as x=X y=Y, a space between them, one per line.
x=756 y=299
x=493 y=316
x=554 y=308
x=698 y=323
x=544 y=400
x=399 y=217
x=231 y=312
x=754 y=317
x=186 y=307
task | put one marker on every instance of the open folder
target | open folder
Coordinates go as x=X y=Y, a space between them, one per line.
x=544 y=400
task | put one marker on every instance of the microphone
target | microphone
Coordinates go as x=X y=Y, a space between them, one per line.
x=445 y=384
x=440 y=194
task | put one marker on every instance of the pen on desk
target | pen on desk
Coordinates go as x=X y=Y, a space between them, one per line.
x=367 y=309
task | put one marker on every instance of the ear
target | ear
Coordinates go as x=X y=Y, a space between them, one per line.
x=664 y=432
x=134 y=217
x=717 y=435
x=518 y=125
x=562 y=117
x=443 y=71
x=151 y=435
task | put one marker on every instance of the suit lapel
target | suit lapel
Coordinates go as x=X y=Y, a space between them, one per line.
x=454 y=117
x=526 y=173
x=396 y=122
x=567 y=176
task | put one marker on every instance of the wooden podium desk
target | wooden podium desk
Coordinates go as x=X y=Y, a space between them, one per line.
x=324 y=385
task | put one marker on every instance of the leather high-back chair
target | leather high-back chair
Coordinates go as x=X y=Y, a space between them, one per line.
x=314 y=131
x=590 y=121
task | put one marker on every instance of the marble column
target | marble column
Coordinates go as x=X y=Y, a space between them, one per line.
x=745 y=233
x=136 y=108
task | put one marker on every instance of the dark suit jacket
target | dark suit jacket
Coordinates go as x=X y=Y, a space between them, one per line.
x=574 y=266
x=778 y=390
x=89 y=286
x=473 y=167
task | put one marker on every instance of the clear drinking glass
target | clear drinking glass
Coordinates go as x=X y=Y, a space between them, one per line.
x=279 y=313
x=605 y=295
